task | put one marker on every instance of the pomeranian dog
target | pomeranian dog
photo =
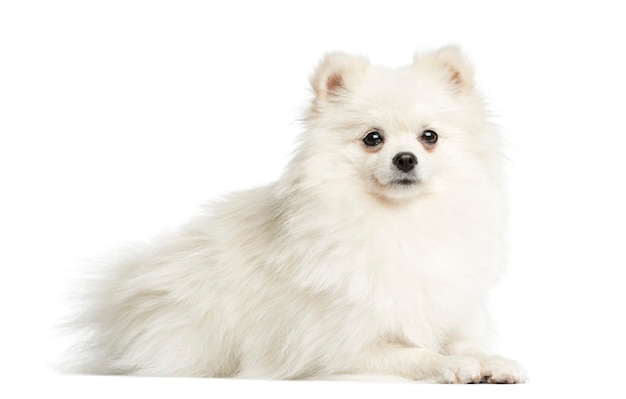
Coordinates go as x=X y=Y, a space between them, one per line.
x=372 y=256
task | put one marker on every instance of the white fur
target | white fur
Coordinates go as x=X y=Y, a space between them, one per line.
x=331 y=271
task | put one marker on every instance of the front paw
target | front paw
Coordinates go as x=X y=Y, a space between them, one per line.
x=500 y=370
x=460 y=370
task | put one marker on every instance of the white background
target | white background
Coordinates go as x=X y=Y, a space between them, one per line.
x=119 y=118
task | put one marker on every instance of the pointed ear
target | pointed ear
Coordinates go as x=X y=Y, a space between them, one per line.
x=336 y=74
x=453 y=63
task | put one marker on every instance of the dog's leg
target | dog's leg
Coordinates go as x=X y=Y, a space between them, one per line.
x=420 y=364
x=493 y=369
x=500 y=370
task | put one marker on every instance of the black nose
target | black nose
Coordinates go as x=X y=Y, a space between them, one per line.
x=405 y=161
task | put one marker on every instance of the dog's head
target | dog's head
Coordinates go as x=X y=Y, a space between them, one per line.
x=396 y=133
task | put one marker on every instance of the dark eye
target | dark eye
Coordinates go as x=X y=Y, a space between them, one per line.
x=429 y=137
x=373 y=138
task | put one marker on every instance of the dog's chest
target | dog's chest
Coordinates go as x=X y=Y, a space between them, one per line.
x=413 y=282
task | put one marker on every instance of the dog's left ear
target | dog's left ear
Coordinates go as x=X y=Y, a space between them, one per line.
x=450 y=60
x=337 y=74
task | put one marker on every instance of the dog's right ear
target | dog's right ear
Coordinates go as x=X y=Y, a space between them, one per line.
x=336 y=74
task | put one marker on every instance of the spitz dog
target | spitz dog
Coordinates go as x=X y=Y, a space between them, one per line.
x=372 y=256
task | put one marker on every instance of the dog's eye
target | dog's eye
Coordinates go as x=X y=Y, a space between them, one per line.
x=373 y=138
x=429 y=137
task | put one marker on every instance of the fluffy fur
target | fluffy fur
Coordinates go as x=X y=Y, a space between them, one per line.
x=347 y=265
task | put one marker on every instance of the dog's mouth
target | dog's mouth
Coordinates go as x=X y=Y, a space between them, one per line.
x=404 y=182
x=398 y=187
x=399 y=184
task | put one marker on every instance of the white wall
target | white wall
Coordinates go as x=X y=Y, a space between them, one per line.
x=118 y=119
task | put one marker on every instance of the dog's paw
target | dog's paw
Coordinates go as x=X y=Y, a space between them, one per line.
x=500 y=370
x=460 y=370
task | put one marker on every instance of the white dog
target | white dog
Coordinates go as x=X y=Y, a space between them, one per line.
x=372 y=255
